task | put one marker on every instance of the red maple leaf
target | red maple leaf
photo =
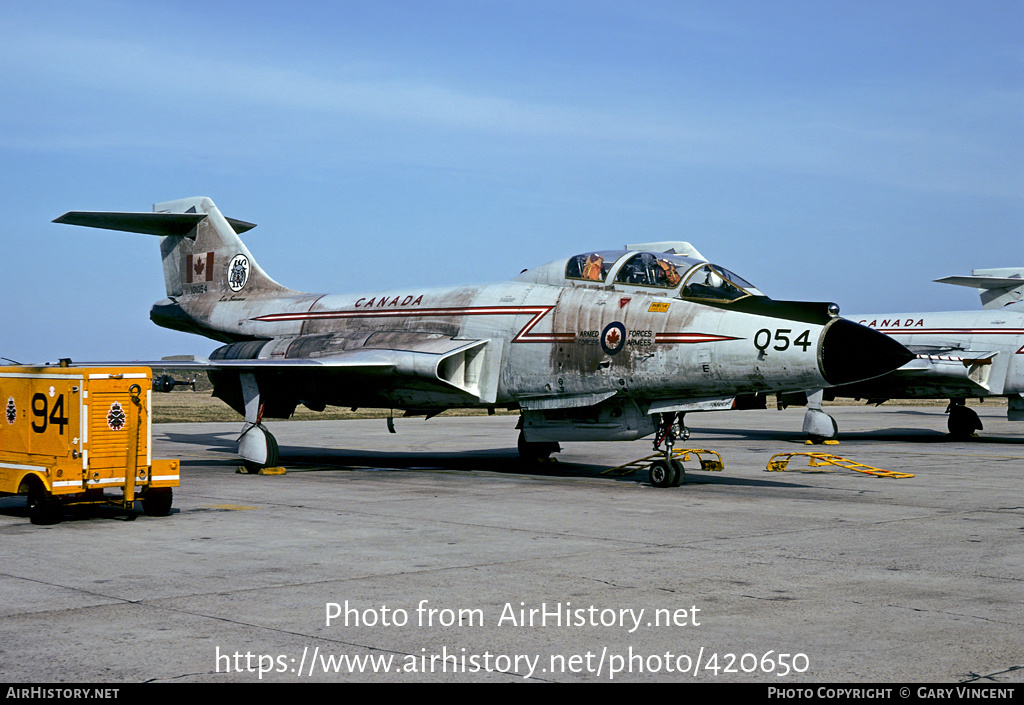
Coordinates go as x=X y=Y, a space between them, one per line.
x=612 y=338
x=198 y=264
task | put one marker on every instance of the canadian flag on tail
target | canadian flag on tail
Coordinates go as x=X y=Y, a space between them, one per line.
x=199 y=268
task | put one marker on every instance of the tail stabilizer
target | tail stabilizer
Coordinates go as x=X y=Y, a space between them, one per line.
x=205 y=263
x=998 y=287
x=200 y=248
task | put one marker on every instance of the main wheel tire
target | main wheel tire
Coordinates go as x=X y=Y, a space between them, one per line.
x=536 y=451
x=663 y=473
x=963 y=422
x=273 y=452
x=43 y=508
x=157 y=501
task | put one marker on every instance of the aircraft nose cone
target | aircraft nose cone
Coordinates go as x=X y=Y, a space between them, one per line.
x=851 y=352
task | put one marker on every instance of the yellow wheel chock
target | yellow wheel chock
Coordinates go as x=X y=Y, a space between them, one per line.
x=681 y=454
x=779 y=461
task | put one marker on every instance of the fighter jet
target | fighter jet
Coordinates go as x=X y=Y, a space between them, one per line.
x=958 y=355
x=603 y=345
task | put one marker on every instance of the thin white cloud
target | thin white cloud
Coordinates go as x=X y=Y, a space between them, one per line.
x=96 y=91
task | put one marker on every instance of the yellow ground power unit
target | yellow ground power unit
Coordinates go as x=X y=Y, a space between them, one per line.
x=70 y=434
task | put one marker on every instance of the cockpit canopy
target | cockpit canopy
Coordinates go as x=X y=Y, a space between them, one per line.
x=693 y=279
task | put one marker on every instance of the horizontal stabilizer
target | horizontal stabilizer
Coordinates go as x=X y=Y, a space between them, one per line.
x=162 y=224
x=999 y=287
x=983 y=282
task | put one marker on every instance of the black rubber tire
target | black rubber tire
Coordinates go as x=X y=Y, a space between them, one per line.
x=680 y=473
x=537 y=451
x=963 y=422
x=157 y=501
x=43 y=508
x=273 y=452
x=663 y=473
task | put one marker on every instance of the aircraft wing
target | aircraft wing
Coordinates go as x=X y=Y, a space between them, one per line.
x=951 y=373
x=451 y=368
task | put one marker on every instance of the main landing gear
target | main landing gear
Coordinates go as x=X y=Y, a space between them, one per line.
x=536 y=451
x=963 y=421
x=257 y=446
x=819 y=427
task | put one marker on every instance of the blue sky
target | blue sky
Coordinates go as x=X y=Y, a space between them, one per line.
x=836 y=151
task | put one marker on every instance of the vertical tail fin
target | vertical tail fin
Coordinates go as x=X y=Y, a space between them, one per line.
x=210 y=259
x=204 y=261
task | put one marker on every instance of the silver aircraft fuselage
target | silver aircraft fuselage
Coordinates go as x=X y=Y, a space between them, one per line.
x=958 y=354
x=592 y=347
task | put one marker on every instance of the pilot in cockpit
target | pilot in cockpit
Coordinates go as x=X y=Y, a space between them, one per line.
x=665 y=274
x=592 y=269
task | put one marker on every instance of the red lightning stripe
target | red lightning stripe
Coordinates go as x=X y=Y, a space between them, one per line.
x=524 y=335
x=690 y=338
x=951 y=331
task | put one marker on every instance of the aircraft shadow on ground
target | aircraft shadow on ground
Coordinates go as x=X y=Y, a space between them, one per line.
x=305 y=459
x=503 y=460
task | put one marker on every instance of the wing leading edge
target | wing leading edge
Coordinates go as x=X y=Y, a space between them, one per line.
x=467 y=371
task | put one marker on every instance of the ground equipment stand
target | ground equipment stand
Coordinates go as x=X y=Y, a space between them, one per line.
x=780 y=461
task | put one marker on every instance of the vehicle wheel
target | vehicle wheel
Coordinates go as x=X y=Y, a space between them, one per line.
x=963 y=422
x=273 y=452
x=43 y=508
x=157 y=501
x=536 y=451
x=680 y=473
x=663 y=474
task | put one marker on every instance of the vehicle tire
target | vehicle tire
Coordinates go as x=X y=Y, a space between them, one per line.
x=273 y=452
x=536 y=451
x=963 y=422
x=43 y=508
x=663 y=474
x=156 y=502
x=680 y=473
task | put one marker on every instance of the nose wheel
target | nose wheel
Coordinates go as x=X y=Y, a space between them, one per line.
x=667 y=471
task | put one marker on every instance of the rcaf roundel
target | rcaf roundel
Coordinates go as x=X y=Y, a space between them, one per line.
x=613 y=337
